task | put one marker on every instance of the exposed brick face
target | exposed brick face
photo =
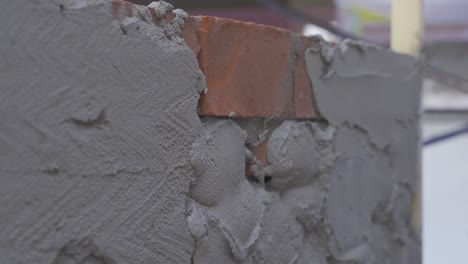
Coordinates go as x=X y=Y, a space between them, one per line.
x=251 y=70
x=189 y=33
x=246 y=68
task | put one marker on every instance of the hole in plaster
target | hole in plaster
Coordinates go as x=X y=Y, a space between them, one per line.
x=252 y=179
x=124 y=30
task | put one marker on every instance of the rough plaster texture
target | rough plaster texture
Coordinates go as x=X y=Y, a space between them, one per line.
x=96 y=129
x=371 y=96
x=104 y=159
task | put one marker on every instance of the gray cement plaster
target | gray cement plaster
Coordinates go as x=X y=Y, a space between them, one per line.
x=371 y=96
x=97 y=121
x=104 y=160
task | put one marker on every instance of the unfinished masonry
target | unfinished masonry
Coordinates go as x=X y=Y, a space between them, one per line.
x=134 y=134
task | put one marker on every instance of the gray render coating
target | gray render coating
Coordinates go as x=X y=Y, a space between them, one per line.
x=104 y=160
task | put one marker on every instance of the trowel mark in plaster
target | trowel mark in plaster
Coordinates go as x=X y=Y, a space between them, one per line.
x=373 y=108
x=375 y=151
x=394 y=214
x=81 y=252
x=117 y=101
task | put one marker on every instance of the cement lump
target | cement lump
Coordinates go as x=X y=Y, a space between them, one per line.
x=221 y=191
x=235 y=220
x=295 y=151
x=174 y=27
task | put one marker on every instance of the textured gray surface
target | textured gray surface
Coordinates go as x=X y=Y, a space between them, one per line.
x=371 y=96
x=96 y=127
x=103 y=158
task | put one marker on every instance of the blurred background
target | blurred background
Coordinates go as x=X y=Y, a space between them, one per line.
x=445 y=106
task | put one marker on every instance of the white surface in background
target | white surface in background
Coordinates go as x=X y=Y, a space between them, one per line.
x=438 y=97
x=445 y=202
x=312 y=30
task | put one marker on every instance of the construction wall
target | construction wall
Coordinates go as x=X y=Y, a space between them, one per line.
x=141 y=135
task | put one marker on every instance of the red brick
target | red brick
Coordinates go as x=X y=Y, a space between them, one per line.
x=128 y=9
x=116 y=4
x=246 y=69
x=121 y=8
x=260 y=152
x=189 y=33
x=304 y=104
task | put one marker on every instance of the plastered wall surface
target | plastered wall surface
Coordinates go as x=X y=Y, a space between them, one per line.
x=104 y=159
x=98 y=118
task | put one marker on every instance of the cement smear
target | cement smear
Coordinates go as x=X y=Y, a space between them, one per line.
x=104 y=159
x=95 y=133
x=371 y=96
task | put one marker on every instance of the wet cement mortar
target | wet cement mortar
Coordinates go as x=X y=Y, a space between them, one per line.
x=104 y=159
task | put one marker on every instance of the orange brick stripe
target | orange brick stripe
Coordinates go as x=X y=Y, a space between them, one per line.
x=251 y=70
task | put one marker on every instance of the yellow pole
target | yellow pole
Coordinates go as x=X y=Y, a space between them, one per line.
x=407 y=26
